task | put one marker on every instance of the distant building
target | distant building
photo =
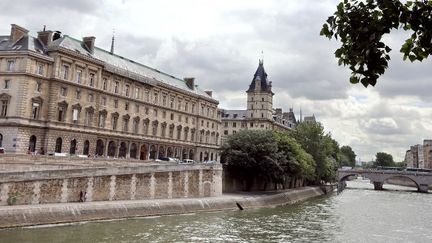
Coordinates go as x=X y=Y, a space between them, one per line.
x=259 y=114
x=420 y=156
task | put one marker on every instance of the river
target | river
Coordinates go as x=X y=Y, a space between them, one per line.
x=358 y=214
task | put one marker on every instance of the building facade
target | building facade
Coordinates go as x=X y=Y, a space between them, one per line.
x=420 y=155
x=259 y=114
x=63 y=95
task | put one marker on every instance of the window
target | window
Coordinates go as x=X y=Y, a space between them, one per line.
x=90 y=98
x=172 y=116
x=193 y=121
x=137 y=91
x=114 y=121
x=125 y=124
x=179 y=118
x=164 y=100
x=75 y=114
x=126 y=106
x=116 y=87
x=4 y=107
x=207 y=124
x=202 y=123
x=88 y=117
x=35 y=110
x=78 y=76
x=135 y=126
x=104 y=84
x=186 y=106
x=147 y=95
x=179 y=104
x=226 y=132
x=115 y=103
x=65 y=72
x=103 y=101
x=163 y=114
x=234 y=132
x=234 y=124
x=136 y=108
x=61 y=111
x=7 y=84
x=126 y=90
x=40 y=69
x=77 y=94
x=38 y=86
x=155 y=113
x=262 y=115
x=10 y=65
x=102 y=118
x=172 y=102
x=187 y=119
x=92 y=79
x=262 y=99
x=146 y=110
x=251 y=124
x=63 y=91
x=193 y=108
x=155 y=101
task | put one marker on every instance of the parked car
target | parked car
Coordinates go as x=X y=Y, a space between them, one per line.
x=186 y=161
x=210 y=162
x=169 y=159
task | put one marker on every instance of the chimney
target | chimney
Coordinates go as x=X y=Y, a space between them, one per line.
x=45 y=37
x=190 y=82
x=17 y=32
x=89 y=43
x=209 y=92
x=278 y=111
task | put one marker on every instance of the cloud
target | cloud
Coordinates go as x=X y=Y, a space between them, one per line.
x=219 y=43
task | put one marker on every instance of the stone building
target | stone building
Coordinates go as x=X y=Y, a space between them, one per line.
x=63 y=95
x=259 y=114
x=420 y=155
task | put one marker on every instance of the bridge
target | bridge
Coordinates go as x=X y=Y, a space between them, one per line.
x=378 y=177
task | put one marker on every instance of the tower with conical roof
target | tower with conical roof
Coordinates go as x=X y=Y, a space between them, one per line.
x=260 y=96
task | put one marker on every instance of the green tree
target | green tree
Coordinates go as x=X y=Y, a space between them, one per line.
x=361 y=25
x=322 y=147
x=266 y=155
x=384 y=159
x=348 y=156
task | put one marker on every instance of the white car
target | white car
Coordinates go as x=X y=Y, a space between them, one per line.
x=186 y=161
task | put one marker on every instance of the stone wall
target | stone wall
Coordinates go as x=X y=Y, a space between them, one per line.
x=111 y=183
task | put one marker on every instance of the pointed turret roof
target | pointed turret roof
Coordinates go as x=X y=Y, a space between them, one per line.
x=261 y=76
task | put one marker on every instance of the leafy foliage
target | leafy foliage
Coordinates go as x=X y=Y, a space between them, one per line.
x=322 y=147
x=347 y=156
x=267 y=155
x=361 y=25
x=384 y=159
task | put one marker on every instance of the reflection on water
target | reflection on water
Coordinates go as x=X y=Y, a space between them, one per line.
x=358 y=214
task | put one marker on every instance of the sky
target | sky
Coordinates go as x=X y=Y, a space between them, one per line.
x=220 y=42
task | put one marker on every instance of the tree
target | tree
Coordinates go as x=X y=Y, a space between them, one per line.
x=384 y=159
x=347 y=156
x=361 y=25
x=322 y=147
x=266 y=155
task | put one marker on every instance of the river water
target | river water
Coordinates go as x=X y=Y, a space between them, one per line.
x=358 y=214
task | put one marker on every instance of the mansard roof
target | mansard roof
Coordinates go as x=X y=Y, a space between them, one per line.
x=112 y=62
x=260 y=76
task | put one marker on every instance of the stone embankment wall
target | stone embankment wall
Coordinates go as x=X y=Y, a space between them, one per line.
x=73 y=212
x=60 y=184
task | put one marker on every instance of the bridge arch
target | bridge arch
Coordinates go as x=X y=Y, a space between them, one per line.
x=389 y=177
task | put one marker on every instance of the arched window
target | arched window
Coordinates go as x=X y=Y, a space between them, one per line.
x=86 y=147
x=58 y=146
x=111 y=149
x=99 y=147
x=73 y=146
x=122 y=150
x=133 y=151
x=32 y=143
